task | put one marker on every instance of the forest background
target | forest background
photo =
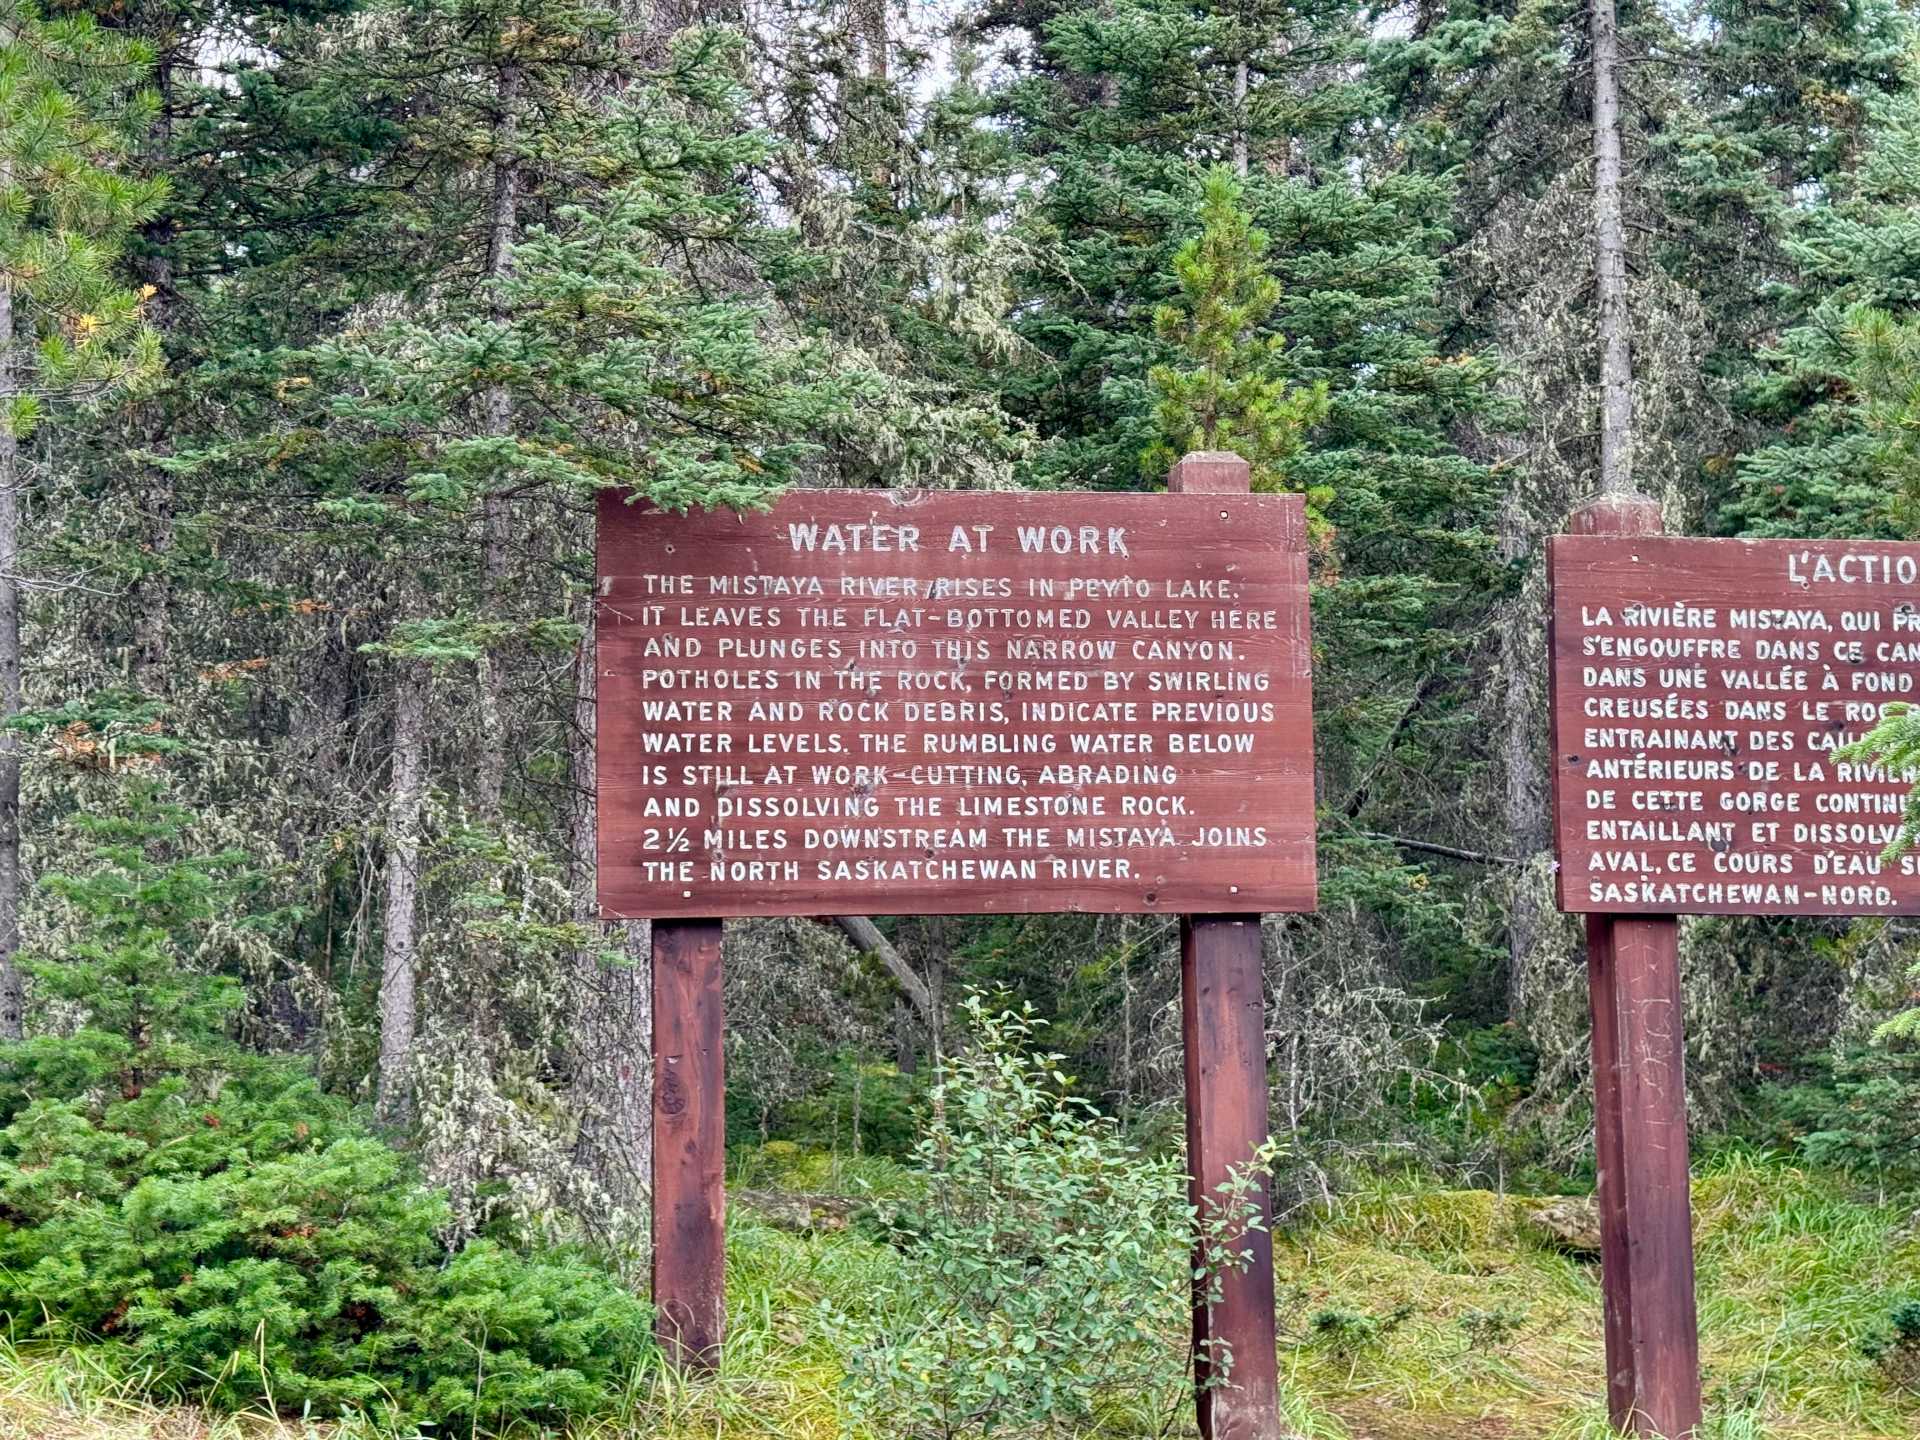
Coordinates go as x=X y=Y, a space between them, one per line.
x=323 y=322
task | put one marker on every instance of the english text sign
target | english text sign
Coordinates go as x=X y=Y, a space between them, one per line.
x=1700 y=688
x=949 y=703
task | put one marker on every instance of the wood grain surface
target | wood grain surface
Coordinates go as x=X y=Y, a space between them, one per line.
x=1699 y=690
x=689 y=1143
x=942 y=703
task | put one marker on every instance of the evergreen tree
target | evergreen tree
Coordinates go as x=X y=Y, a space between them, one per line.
x=1233 y=393
x=1780 y=102
x=68 y=328
x=139 y=912
x=1735 y=130
x=1822 y=394
x=898 y=191
x=1110 y=109
x=587 y=300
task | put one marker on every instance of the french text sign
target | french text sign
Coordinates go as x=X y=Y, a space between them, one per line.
x=880 y=702
x=1700 y=688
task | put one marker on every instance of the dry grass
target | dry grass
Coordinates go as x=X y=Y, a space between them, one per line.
x=71 y=1395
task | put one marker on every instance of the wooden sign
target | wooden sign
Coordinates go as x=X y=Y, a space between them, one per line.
x=955 y=703
x=1700 y=688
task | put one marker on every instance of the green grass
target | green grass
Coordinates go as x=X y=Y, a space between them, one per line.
x=783 y=1165
x=1460 y=1324
x=1792 y=1275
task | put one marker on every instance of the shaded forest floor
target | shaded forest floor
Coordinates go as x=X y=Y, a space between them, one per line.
x=1413 y=1313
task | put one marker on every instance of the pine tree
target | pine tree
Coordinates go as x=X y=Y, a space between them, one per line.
x=1118 y=112
x=582 y=298
x=68 y=329
x=1232 y=392
x=1823 y=470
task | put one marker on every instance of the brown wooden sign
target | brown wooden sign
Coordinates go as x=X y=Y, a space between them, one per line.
x=1700 y=688
x=955 y=703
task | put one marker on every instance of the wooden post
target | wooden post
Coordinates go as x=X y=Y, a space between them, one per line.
x=1640 y=1134
x=689 y=1143
x=1224 y=1032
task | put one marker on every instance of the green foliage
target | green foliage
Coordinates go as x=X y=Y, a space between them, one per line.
x=856 y=1106
x=1896 y=1349
x=1864 y=1118
x=1230 y=392
x=1117 y=114
x=1350 y=1334
x=1837 y=389
x=1492 y=1330
x=1884 y=356
x=69 y=102
x=219 y=1222
x=134 y=919
x=1043 y=1278
x=1791 y=98
x=253 y=1245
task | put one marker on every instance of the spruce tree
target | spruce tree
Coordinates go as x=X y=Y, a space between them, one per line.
x=1229 y=389
x=69 y=329
x=1776 y=110
x=1119 y=112
x=580 y=296
x=1823 y=467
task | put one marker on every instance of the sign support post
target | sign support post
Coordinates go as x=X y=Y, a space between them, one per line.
x=1640 y=1133
x=903 y=702
x=689 y=1143
x=1224 y=1038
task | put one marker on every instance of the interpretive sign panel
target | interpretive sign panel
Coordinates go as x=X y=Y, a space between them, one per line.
x=895 y=702
x=1700 y=688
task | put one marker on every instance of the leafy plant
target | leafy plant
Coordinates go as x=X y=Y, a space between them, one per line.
x=1044 y=1276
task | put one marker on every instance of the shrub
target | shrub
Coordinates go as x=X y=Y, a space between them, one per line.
x=299 y=1271
x=217 y=1221
x=1349 y=1334
x=1045 y=1275
x=1865 y=1118
x=1896 y=1349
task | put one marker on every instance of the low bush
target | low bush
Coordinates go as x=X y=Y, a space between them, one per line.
x=1862 y=1115
x=1896 y=1349
x=218 y=1222
x=1044 y=1277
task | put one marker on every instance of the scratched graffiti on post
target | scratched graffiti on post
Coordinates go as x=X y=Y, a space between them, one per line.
x=941 y=703
x=1701 y=688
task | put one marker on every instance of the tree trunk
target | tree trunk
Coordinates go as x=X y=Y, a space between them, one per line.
x=394 y=1099
x=906 y=1058
x=12 y=986
x=1240 y=119
x=503 y=218
x=1610 y=260
x=612 y=1035
x=868 y=940
x=152 y=597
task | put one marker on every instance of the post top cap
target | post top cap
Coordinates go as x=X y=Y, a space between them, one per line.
x=1210 y=472
x=1617 y=515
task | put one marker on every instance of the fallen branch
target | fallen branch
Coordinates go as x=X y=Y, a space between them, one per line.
x=868 y=940
x=1452 y=852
